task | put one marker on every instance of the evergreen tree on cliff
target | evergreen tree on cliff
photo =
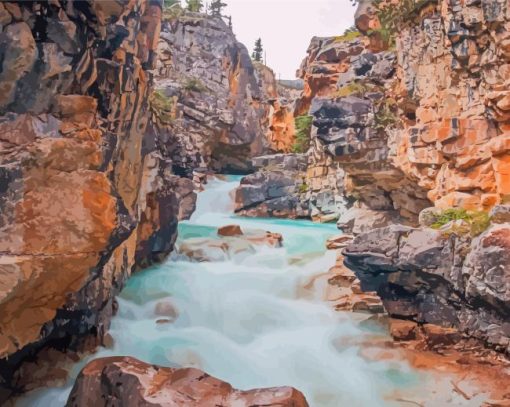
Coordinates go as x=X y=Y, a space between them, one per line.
x=258 y=51
x=216 y=8
x=194 y=5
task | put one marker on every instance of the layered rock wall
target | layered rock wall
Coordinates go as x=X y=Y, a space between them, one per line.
x=86 y=194
x=446 y=134
x=453 y=85
x=217 y=101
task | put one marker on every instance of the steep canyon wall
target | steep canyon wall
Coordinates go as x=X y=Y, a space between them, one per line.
x=86 y=194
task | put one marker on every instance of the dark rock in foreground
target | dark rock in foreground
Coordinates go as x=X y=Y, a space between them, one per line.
x=124 y=381
x=440 y=277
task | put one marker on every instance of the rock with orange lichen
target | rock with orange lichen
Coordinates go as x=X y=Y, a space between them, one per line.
x=86 y=194
x=127 y=381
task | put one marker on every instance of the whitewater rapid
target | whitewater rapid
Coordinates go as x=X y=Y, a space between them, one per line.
x=253 y=321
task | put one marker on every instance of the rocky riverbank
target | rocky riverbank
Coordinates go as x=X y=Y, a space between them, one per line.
x=409 y=132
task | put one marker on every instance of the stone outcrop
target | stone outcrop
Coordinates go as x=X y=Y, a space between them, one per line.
x=276 y=189
x=214 y=104
x=129 y=382
x=347 y=82
x=443 y=277
x=86 y=193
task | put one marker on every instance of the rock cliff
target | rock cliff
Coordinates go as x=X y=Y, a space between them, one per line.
x=86 y=193
x=443 y=277
x=432 y=120
x=214 y=103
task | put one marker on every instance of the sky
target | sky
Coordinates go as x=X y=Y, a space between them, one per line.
x=287 y=26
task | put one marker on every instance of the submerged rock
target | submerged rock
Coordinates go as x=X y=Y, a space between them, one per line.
x=125 y=381
x=230 y=230
x=226 y=247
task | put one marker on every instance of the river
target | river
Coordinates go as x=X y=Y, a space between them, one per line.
x=251 y=321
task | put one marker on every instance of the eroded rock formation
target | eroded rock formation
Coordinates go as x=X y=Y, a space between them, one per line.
x=86 y=194
x=443 y=277
x=215 y=102
x=445 y=134
x=129 y=382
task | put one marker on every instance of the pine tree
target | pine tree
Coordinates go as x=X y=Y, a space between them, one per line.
x=194 y=5
x=257 y=51
x=230 y=23
x=216 y=8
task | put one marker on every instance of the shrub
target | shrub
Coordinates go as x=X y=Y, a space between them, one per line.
x=194 y=85
x=162 y=106
x=393 y=17
x=349 y=35
x=303 y=130
x=351 y=89
x=386 y=114
x=172 y=9
x=478 y=221
x=303 y=188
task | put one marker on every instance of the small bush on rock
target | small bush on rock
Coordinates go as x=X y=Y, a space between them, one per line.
x=354 y=88
x=162 y=106
x=194 y=85
x=478 y=221
x=303 y=131
x=349 y=35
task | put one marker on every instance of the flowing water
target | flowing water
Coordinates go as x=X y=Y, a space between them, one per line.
x=251 y=321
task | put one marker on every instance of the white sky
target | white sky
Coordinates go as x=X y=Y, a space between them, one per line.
x=287 y=26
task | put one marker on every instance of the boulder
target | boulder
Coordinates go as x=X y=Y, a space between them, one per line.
x=358 y=220
x=445 y=279
x=230 y=230
x=125 y=381
x=402 y=330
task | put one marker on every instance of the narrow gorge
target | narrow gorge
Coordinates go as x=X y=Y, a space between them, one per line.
x=181 y=227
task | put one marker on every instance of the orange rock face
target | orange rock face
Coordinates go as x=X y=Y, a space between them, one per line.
x=127 y=381
x=457 y=143
x=83 y=195
x=426 y=124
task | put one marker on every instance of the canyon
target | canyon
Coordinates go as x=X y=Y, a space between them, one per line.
x=114 y=116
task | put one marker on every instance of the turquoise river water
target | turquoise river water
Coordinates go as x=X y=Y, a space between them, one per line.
x=250 y=321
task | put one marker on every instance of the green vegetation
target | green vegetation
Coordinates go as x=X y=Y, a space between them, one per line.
x=194 y=85
x=258 y=51
x=477 y=221
x=357 y=88
x=170 y=3
x=194 y=5
x=172 y=9
x=392 y=18
x=350 y=34
x=386 y=114
x=303 y=188
x=162 y=106
x=303 y=130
